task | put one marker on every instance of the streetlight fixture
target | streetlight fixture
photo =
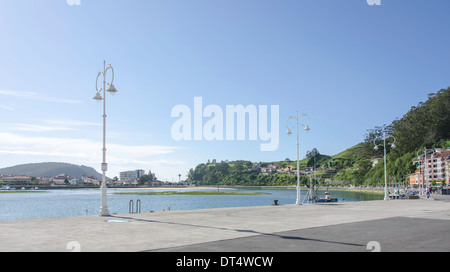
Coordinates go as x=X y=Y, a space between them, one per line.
x=112 y=90
x=426 y=169
x=421 y=177
x=289 y=132
x=385 y=137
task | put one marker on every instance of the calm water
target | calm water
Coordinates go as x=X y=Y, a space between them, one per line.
x=67 y=203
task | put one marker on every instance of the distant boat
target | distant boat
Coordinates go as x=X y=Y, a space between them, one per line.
x=327 y=199
x=324 y=200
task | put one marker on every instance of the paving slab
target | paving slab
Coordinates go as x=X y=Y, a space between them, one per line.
x=177 y=230
x=396 y=234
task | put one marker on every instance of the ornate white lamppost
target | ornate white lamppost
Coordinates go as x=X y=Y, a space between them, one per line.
x=289 y=132
x=111 y=89
x=385 y=137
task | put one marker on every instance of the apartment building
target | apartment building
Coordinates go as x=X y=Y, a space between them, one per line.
x=432 y=166
x=16 y=180
x=447 y=170
x=416 y=178
x=440 y=163
x=131 y=176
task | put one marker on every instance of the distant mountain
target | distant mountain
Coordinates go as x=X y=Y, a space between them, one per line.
x=50 y=169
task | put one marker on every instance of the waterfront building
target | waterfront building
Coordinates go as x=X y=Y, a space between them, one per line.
x=131 y=176
x=61 y=179
x=90 y=180
x=447 y=169
x=432 y=167
x=439 y=161
x=417 y=178
x=44 y=180
x=17 y=180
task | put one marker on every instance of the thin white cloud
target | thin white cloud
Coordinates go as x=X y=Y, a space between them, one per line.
x=87 y=150
x=168 y=163
x=70 y=122
x=38 y=97
x=48 y=125
x=4 y=107
x=147 y=163
x=37 y=153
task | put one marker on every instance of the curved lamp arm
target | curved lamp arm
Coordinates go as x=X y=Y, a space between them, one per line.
x=111 y=88
x=395 y=140
x=96 y=82
x=309 y=122
x=112 y=70
x=289 y=132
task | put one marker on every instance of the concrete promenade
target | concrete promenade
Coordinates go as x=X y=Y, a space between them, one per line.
x=396 y=225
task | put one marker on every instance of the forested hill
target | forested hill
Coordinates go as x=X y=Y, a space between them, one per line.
x=50 y=169
x=425 y=125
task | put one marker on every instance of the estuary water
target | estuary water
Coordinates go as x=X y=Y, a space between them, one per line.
x=68 y=203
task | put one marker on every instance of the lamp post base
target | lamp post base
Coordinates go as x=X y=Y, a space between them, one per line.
x=104 y=208
x=386 y=194
x=104 y=211
x=299 y=197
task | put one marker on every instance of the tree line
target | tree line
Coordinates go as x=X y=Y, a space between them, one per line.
x=238 y=173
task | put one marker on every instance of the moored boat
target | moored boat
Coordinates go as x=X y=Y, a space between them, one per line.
x=327 y=199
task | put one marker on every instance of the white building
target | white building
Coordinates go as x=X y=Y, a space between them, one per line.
x=434 y=167
x=131 y=176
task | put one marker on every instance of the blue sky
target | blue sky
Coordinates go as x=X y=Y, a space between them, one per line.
x=348 y=65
